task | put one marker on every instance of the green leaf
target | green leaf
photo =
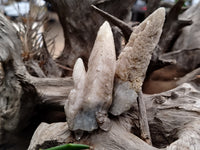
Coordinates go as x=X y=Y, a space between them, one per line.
x=69 y=147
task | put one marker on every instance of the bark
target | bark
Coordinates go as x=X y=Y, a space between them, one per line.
x=80 y=24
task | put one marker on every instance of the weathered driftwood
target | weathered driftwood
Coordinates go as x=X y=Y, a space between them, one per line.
x=174 y=114
x=17 y=99
x=88 y=103
x=34 y=68
x=189 y=37
x=189 y=77
x=184 y=58
x=182 y=62
x=46 y=62
x=188 y=137
x=10 y=88
x=163 y=79
x=187 y=59
x=117 y=138
x=152 y=5
x=163 y=110
x=125 y=28
x=35 y=55
x=173 y=117
x=78 y=33
x=171 y=30
x=20 y=92
x=172 y=27
x=120 y=29
x=48 y=135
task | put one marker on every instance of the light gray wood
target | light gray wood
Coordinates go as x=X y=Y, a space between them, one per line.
x=118 y=138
